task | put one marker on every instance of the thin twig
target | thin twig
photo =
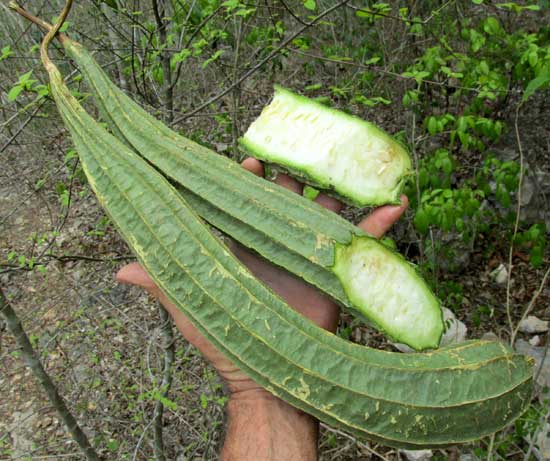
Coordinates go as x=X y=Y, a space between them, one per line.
x=169 y=354
x=516 y=226
x=22 y=127
x=530 y=305
x=362 y=445
x=490 y=448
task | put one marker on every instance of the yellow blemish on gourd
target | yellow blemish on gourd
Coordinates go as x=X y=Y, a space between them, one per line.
x=326 y=407
x=377 y=406
x=267 y=324
x=322 y=241
x=393 y=420
x=136 y=246
x=303 y=391
x=367 y=416
x=245 y=273
x=286 y=380
x=226 y=330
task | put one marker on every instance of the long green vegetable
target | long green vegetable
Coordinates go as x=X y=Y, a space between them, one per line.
x=405 y=400
x=263 y=216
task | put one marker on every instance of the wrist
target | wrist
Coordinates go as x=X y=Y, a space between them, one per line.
x=262 y=426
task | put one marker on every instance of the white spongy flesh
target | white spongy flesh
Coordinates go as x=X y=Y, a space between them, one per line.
x=386 y=286
x=336 y=149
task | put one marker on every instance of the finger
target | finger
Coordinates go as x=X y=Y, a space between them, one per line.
x=289 y=183
x=254 y=166
x=134 y=274
x=329 y=202
x=381 y=219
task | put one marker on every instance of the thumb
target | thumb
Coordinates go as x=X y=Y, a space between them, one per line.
x=135 y=274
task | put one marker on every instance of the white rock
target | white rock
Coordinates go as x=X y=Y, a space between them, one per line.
x=403 y=348
x=467 y=457
x=543 y=441
x=491 y=336
x=500 y=274
x=542 y=361
x=418 y=455
x=535 y=340
x=533 y=324
x=455 y=331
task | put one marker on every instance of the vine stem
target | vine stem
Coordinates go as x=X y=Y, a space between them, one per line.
x=51 y=34
x=34 y=19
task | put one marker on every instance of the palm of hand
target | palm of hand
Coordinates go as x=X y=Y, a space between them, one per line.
x=299 y=295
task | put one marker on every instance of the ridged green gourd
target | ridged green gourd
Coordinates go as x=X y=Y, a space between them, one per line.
x=301 y=236
x=346 y=156
x=452 y=395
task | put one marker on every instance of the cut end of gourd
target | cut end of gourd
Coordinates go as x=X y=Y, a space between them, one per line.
x=387 y=291
x=330 y=149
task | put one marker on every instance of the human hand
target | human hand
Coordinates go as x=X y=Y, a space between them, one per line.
x=302 y=297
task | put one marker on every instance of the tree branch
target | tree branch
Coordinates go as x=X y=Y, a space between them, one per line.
x=30 y=356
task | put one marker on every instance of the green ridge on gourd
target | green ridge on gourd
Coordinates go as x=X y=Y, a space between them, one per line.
x=306 y=232
x=452 y=395
x=329 y=149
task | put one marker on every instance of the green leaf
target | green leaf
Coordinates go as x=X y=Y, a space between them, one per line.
x=314 y=87
x=65 y=26
x=491 y=26
x=310 y=5
x=111 y=3
x=373 y=60
x=6 y=53
x=536 y=256
x=388 y=242
x=432 y=125
x=212 y=58
x=421 y=221
x=477 y=2
x=112 y=445
x=310 y=193
x=533 y=58
x=231 y=4
x=14 y=92
x=484 y=67
x=25 y=77
x=534 y=85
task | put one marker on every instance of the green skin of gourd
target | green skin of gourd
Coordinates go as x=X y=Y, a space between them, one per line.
x=294 y=223
x=452 y=395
